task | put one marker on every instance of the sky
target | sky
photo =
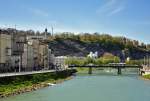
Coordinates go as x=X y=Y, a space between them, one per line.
x=129 y=18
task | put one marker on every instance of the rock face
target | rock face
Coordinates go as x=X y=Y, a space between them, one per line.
x=71 y=47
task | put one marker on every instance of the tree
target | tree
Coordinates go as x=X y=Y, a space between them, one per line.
x=109 y=58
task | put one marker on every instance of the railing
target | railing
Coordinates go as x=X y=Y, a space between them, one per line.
x=29 y=72
x=108 y=66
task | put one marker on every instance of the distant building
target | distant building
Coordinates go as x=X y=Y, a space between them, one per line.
x=5 y=50
x=128 y=59
x=93 y=55
x=28 y=57
x=21 y=52
x=51 y=59
x=36 y=37
x=18 y=41
x=15 y=63
x=40 y=52
x=43 y=52
x=60 y=62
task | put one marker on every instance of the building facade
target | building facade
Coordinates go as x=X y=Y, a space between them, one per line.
x=5 y=51
x=28 y=58
x=20 y=52
x=40 y=52
x=60 y=62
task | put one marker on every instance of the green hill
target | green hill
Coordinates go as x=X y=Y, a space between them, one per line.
x=81 y=44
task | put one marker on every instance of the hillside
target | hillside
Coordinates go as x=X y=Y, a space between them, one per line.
x=76 y=46
x=68 y=43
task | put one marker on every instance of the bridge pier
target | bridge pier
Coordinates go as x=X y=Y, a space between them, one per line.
x=119 y=71
x=90 y=70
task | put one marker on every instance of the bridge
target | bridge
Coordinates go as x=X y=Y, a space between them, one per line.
x=117 y=66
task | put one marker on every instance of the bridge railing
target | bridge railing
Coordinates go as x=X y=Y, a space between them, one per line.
x=107 y=66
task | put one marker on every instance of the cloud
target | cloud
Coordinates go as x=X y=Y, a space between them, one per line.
x=116 y=10
x=110 y=3
x=39 y=12
x=111 y=7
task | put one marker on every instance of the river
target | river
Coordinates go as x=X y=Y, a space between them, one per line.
x=92 y=88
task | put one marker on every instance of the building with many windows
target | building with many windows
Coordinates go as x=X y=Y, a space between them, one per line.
x=5 y=50
x=22 y=52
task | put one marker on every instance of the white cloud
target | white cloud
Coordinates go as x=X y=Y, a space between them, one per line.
x=111 y=7
x=116 y=10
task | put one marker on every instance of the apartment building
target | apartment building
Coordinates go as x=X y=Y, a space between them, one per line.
x=60 y=62
x=20 y=52
x=5 y=50
x=28 y=57
x=40 y=51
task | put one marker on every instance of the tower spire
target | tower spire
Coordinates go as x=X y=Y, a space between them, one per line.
x=45 y=33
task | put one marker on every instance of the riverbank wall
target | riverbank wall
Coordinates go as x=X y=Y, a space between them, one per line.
x=20 y=84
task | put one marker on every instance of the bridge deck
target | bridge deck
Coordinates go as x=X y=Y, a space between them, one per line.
x=107 y=66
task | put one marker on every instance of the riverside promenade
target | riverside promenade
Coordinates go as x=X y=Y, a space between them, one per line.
x=26 y=73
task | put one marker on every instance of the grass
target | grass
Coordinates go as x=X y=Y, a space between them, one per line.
x=147 y=76
x=11 y=85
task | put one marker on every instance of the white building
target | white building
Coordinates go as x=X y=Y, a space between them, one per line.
x=93 y=55
x=60 y=62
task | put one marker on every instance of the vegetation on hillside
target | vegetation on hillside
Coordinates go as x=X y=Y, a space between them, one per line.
x=81 y=44
x=106 y=40
x=105 y=59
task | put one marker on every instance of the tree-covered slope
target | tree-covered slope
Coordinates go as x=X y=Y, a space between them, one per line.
x=82 y=44
x=68 y=43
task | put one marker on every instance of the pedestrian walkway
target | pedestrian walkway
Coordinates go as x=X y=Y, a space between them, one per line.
x=25 y=73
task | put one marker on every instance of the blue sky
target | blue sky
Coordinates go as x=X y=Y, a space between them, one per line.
x=130 y=18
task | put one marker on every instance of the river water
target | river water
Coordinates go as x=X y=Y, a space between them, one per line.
x=92 y=88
